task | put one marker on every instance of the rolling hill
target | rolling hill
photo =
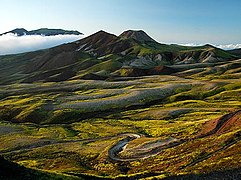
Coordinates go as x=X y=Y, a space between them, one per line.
x=236 y=52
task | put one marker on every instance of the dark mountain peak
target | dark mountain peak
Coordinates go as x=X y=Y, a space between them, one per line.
x=209 y=46
x=99 y=38
x=102 y=31
x=138 y=35
x=99 y=43
x=51 y=32
x=18 y=31
x=102 y=34
x=42 y=31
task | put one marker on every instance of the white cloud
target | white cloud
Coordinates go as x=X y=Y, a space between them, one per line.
x=222 y=46
x=230 y=46
x=12 y=44
x=191 y=44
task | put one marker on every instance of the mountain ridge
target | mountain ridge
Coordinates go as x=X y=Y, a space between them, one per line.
x=42 y=31
x=103 y=55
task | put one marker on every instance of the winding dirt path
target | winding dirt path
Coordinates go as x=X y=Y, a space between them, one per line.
x=143 y=151
x=119 y=146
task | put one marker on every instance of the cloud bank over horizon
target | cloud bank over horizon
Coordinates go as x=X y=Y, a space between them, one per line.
x=221 y=46
x=13 y=44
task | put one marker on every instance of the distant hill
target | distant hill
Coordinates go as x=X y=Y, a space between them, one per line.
x=236 y=52
x=42 y=31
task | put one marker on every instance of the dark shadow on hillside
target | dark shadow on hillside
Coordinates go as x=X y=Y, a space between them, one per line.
x=13 y=171
x=234 y=174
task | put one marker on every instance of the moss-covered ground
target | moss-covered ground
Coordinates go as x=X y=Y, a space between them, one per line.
x=68 y=127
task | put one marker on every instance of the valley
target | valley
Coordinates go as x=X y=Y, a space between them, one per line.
x=122 y=107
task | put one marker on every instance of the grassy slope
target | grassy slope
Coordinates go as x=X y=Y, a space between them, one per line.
x=180 y=115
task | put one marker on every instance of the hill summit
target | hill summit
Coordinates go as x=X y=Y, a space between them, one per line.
x=139 y=35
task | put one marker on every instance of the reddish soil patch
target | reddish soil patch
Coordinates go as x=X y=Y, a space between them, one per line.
x=233 y=123
x=221 y=125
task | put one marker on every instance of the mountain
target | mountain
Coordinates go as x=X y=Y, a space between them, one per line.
x=137 y=35
x=18 y=31
x=104 y=55
x=42 y=31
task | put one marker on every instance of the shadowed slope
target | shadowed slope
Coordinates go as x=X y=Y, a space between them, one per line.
x=13 y=171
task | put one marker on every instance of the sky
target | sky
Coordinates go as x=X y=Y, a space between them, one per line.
x=167 y=21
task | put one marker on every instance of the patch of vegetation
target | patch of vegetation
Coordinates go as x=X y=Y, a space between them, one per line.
x=75 y=139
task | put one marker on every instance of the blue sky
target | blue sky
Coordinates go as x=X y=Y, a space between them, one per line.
x=167 y=21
